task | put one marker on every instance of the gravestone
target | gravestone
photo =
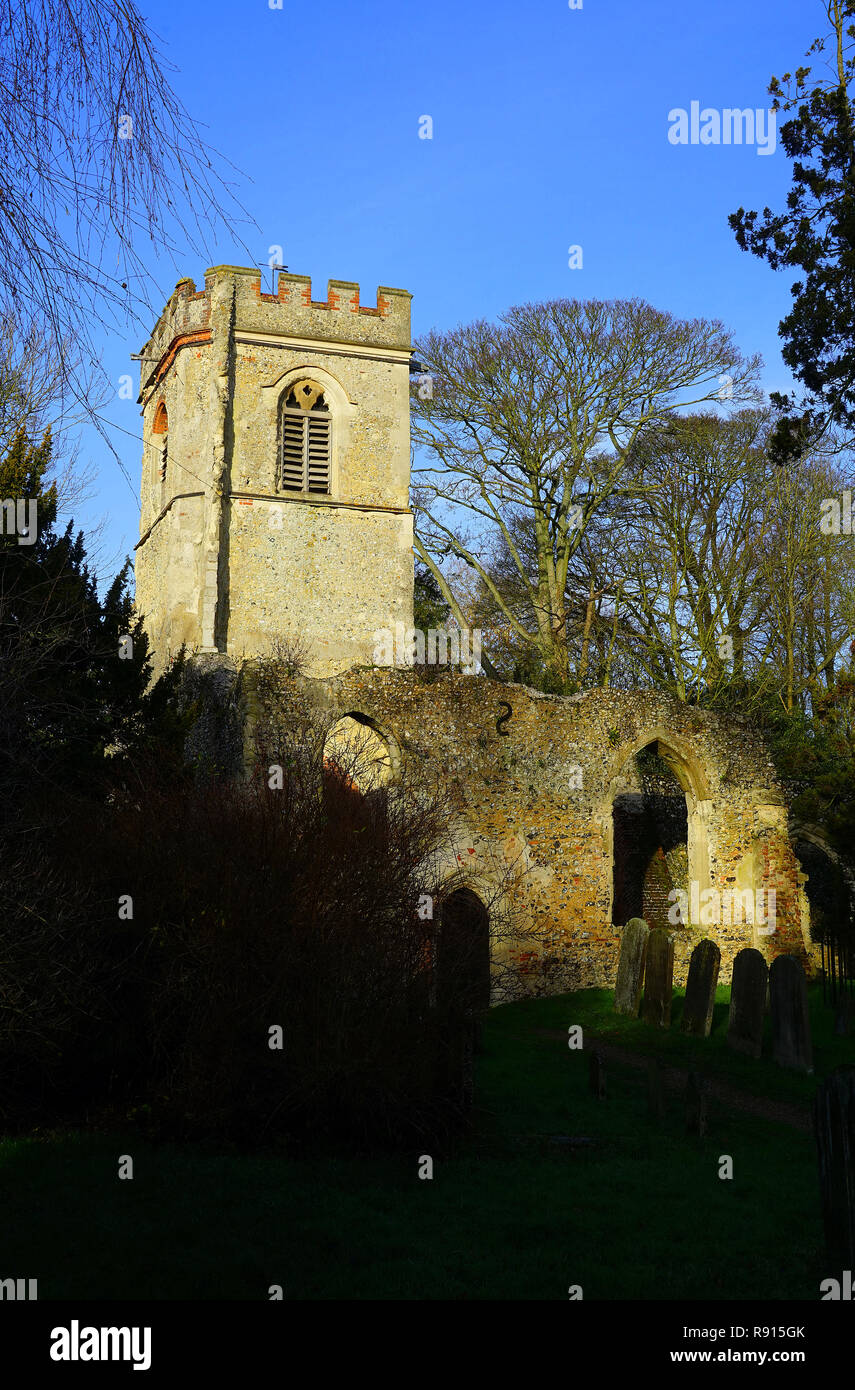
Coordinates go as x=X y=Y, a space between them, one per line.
x=747 y=1002
x=791 y=1043
x=700 y=989
x=597 y=1074
x=696 y=1105
x=630 y=971
x=655 y=1089
x=658 y=979
x=834 y=1130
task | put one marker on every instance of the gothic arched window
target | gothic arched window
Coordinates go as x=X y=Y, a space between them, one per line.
x=160 y=425
x=306 y=440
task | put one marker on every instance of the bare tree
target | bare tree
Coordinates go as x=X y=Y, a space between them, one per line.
x=691 y=595
x=807 y=577
x=31 y=384
x=727 y=587
x=97 y=155
x=539 y=415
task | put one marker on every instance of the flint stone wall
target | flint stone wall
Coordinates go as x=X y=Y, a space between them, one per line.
x=519 y=810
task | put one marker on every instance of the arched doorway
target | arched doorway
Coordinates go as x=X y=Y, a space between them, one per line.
x=358 y=754
x=357 y=771
x=649 y=840
x=463 y=950
x=830 y=893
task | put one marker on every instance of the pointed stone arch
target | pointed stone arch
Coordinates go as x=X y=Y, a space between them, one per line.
x=806 y=835
x=371 y=750
x=463 y=943
x=332 y=388
x=688 y=767
x=675 y=751
x=340 y=411
x=160 y=424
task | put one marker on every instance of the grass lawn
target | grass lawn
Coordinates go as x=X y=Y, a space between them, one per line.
x=638 y=1213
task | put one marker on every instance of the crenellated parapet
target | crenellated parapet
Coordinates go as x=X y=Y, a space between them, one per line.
x=341 y=317
x=290 y=314
x=186 y=319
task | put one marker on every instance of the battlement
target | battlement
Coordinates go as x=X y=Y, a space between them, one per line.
x=198 y=316
x=293 y=312
x=341 y=294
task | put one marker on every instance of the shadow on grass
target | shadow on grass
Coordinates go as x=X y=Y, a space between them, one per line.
x=519 y=1214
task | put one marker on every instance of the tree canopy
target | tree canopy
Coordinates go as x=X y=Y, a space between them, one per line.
x=536 y=417
x=816 y=235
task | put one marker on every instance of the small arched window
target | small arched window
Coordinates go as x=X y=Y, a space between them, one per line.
x=161 y=426
x=306 y=440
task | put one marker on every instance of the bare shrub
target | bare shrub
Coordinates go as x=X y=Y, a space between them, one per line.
x=291 y=901
x=64 y=969
x=306 y=896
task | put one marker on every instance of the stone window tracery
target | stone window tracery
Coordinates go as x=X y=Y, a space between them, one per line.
x=305 y=452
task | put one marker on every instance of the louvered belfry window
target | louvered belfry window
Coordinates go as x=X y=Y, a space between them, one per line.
x=306 y=440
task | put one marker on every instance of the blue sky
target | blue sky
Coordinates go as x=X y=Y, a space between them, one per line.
x=550 y=129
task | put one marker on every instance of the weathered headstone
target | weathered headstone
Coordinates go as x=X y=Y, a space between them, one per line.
x=655 y=1089
x=658 y=979
x=696 y=1105
x=630 y=971
x=834 y=1129
x=597 y=1074
x=700 y=989
x=747 y=1002
x=791 y=1043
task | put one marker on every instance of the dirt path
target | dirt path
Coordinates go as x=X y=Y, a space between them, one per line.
x=783 y=1112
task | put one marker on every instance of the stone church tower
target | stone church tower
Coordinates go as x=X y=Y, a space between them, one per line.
x=276 y=468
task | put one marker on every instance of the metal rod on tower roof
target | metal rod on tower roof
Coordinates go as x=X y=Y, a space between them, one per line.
x=273 y=269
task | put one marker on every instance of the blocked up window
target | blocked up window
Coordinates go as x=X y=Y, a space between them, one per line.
x=306 y=440
x=160 y=425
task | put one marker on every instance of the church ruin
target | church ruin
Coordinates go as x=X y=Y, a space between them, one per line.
x=275 y=506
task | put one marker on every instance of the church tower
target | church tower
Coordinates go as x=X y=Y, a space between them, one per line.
x=276 y=469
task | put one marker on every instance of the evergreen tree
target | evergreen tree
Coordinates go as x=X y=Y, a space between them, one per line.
x=430 y=610
x=74 y=668
x=816 y=234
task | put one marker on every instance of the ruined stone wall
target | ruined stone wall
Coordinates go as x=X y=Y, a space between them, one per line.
x=228 y=563
x=518 y=801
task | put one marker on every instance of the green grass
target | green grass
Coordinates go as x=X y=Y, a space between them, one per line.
x=593 y=1010
x=641 y=1213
